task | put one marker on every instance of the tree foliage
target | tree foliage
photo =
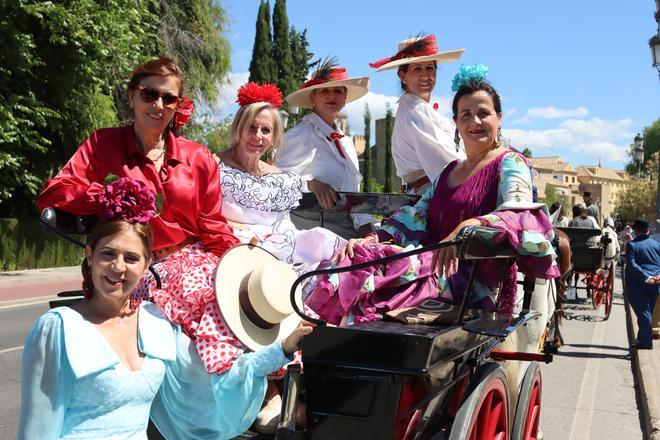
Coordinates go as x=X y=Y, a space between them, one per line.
x=553 y=196
x=651 y=136
x=638 y=200
x=527 y=153
x=64 y=68
x=262 y=65
x=366 y=173
x=285 y=78
x=389 y=162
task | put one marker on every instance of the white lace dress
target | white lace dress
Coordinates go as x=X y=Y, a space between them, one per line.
x=262 y=204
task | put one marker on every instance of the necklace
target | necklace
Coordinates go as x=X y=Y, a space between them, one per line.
x=162 y=152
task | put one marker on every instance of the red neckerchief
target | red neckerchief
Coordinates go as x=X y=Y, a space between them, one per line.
x=334 y=137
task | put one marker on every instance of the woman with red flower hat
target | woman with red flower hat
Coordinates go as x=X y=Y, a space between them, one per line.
x=257 y=197
x=316 y=148
x=423 y=141
x=190 y=232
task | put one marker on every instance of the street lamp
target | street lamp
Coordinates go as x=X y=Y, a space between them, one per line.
x=654 y=42
x=638 y=151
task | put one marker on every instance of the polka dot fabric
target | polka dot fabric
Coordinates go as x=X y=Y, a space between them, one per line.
x=187 y=298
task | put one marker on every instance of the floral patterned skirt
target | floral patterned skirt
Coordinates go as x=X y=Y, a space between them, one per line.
x=187 y=297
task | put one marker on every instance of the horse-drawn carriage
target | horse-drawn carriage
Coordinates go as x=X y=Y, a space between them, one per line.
x=588 y=259
x=464 y=376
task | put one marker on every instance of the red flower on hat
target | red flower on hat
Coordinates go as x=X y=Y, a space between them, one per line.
x=183 y=113
x=252 y=92
x=129 y=200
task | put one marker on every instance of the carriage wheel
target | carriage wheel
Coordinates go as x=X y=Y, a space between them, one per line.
x=484 y=413
x=528 y=413
x=596 y=281
x=609 y=290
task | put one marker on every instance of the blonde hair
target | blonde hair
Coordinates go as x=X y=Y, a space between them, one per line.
x=246 y=115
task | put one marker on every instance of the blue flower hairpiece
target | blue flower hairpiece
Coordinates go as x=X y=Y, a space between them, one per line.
x=468 y=73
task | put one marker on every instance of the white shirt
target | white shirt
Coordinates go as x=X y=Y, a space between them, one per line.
x=422 y=139
x=309 y=151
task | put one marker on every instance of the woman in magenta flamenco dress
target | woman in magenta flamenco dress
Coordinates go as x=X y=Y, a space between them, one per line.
x=491 y=187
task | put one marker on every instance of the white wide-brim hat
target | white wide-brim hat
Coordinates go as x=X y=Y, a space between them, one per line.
x=417 y=50
x=356 y=88
x=253 y=291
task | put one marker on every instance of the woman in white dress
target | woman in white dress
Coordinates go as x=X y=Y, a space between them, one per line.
x=258 y=196
x=316 y=148
x=423 y=141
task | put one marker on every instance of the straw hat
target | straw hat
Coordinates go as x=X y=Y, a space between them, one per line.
x=417 y=50
x=329 y=77
x=253 y=291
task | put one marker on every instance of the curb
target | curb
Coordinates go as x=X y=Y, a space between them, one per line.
x=37 y=276
x=650 y=402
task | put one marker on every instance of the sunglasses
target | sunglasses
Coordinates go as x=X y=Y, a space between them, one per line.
x=149 y=95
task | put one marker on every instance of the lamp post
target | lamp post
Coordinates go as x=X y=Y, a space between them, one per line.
x=654 y=42
x=638 y=152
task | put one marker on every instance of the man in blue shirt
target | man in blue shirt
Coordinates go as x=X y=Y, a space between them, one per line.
x=642 y=266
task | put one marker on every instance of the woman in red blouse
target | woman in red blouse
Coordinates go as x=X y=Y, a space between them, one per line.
x=190 y=234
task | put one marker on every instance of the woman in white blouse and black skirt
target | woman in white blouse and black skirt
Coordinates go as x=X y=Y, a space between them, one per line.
x=423 y=141
x=317 y=149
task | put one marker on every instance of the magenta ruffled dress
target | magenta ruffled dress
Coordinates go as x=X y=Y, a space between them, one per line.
x=499 y=195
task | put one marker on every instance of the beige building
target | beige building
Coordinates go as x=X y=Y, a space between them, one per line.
x=554 y=172
x=603 y=183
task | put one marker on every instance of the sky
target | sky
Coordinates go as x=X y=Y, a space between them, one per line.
x=575 y=76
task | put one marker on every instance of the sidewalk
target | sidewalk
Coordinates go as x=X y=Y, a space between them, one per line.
x=25 y=284
x=646 y=367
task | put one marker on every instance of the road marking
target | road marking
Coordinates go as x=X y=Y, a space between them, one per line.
x=7 y=350
x=42 y=300
x=584 y=408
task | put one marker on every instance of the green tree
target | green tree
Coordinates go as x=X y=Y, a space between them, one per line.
x=63 y=72
x=192 y=33
x=639 y=197
x=262 y=65
x=527 y=153
x=651 y=136
x=285 y=76
x=300 y=55
x=553 y=196
x=389 y=162
x=366 y=173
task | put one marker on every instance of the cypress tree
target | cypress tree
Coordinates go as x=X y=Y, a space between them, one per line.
x=388 y=149
x=285 y=78
x=300 y=54
x=367 y=149
x=262 y=66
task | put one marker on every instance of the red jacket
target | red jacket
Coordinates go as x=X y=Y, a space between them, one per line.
x=188 y=180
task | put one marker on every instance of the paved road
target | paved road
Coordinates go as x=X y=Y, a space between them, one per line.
x=588 y=391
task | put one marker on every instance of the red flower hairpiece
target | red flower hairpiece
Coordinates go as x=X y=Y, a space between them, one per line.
x=183 y=113
x=129 y=200
x=252 y=92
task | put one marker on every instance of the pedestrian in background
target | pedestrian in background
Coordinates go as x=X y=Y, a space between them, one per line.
x=582 y=219
x=642 y=271
x=592 y=209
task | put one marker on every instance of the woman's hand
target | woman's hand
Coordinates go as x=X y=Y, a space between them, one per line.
x=349 y=249
x=291 y=343
x=445 y=260
x=324 y=193
x=237 y=225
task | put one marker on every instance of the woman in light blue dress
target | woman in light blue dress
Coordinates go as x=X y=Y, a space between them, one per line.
x=100 y=368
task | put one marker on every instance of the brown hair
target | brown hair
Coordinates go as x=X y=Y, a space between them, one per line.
x=159 y=67
x=107 y=229
x=473 y=87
